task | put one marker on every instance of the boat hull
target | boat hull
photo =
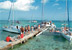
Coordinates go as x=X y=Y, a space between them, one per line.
x=11 y=30
x=66 y=36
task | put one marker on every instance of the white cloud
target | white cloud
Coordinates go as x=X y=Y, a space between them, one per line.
x=44 y=1
x=56 y=4
x=24 y=5
x=5 y=4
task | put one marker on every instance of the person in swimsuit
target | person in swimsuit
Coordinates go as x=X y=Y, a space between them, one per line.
x=25 y=29
x=22 y=29
x=28 y=29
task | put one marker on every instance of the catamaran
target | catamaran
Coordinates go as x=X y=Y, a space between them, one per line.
x=12 y=27
x=67 y=36
x=66 y=33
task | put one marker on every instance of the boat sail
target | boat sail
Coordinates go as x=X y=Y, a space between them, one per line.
x=68 y=37
x=12 y=27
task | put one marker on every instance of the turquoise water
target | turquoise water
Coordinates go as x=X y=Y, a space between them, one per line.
x=45 y=41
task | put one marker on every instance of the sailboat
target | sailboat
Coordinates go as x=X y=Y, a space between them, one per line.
x=34 y=21
x=12 y=27
x=68 y=37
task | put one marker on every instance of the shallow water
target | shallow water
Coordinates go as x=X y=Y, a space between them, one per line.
x=45 y=41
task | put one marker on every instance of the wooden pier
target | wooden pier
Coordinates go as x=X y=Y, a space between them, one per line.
x=6 y=45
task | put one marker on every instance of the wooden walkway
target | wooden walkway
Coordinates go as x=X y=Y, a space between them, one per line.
x=5 y=45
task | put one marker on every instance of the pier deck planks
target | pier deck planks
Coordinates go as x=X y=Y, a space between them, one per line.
x=4 y=44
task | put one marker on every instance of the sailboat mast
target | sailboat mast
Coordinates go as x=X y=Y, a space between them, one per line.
x=67 y=13
x=9 y=14
x=13 y=12
x=42 y=10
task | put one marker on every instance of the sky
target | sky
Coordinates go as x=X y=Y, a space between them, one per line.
x=32 y=9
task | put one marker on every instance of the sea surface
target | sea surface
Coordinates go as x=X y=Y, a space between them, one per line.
x=45 y=41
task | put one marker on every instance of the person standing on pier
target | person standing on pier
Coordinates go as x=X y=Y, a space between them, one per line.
x=28 y=29
x=22 y=29
x=42 y=25
x=50 y=22
x=22 y=33
x=53 y=27
x=39 y=27
x=32 y=28
x=35 y=27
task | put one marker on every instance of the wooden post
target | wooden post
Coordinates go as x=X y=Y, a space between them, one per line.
x=12 y=46
x=21 y=41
